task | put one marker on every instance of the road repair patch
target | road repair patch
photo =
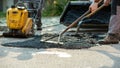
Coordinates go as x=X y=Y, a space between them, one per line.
x=83 y=40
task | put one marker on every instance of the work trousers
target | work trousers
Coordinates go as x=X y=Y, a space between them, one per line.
x=114 y=25
x=39 y=22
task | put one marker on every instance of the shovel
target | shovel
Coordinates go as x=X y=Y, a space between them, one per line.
x=85 y=15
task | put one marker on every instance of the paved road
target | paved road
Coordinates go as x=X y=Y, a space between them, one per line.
x=105 y=56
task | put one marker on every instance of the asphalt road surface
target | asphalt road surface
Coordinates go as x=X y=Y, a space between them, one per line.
x=102 y=56
x=107 y=56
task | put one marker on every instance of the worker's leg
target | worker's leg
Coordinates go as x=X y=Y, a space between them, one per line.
x=39 y=22
x=114 y=29
x=114 y=26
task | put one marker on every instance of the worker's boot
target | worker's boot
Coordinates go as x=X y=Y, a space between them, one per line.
x=39 y=24
x=110 y=39
x=118 y=36
x=39 y=28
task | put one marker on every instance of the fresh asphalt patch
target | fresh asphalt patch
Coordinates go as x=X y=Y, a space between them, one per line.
x=31 y=43
x=50 y=41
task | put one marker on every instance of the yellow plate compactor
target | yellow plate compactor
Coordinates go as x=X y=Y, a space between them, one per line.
x=18 y=22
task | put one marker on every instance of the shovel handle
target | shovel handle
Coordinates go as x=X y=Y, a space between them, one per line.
x=89 y=15
x=75 y=22
x=81 y=17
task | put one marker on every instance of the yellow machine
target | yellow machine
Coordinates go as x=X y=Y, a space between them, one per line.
x=18 y=22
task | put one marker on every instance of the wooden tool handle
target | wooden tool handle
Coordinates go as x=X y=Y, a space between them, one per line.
x=89 y=15
x=81 y=17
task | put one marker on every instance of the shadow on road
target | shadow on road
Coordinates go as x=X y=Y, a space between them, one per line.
x=115 y=56
x=115 y=59
x=32 y=43
x=26 y=48
x=19 y=53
